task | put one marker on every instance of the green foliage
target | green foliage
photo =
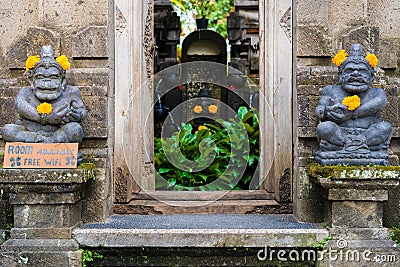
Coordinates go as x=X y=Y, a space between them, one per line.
x=5 y=235
x=9 y=226
x=214 y=10
x=320 y=245
x=395 y=235
x=89 y=256
x=218 y=152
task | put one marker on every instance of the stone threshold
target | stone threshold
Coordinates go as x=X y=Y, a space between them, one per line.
x=200 y=230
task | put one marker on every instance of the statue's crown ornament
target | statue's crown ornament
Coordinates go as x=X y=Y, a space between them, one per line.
x=341 y=59
x=46 y=59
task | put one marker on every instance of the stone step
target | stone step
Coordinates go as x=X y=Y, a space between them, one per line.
x=198 y=230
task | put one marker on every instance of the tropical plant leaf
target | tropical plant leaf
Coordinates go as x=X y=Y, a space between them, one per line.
x=179 y=4
x=171 y=182
x=163 y=170
x=223 y=137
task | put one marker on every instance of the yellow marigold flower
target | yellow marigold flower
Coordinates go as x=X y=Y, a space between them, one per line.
x=372 y=59
x=212 y=109
x=64 y=62
x=339 y=58
x=31 y=61
x=44 y=108
x=351 y=102
x=201 y=127
x=198 y=109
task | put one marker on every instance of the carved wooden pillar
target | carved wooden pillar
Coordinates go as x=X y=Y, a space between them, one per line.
x=133 y=66
x=276 y=74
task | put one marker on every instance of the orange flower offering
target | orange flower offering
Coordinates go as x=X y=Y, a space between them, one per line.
x=372 y=59
x=339 y=58
x=351 y=102
x=31 y=62
x=213 y=109
x=202 y=127
x=64 y=62
x=198 y=109
x=44 y=108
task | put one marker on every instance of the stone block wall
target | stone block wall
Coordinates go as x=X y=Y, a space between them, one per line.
x=80 y=30
x=323 y=27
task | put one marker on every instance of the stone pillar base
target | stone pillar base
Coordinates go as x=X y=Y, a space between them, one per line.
x=354 y=198
x=47 y=206
x=41 y=252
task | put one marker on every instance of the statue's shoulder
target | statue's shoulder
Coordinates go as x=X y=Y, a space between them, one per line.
x=73 y=90
x=330 y=89
x=25 y=91
x=378 y=91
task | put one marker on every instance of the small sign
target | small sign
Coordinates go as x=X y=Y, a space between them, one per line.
x=41 y=155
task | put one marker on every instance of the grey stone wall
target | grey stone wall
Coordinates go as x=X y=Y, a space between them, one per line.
x=80 y=30
x=323 y=27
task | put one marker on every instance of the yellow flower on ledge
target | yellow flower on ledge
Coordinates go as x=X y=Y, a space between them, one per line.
x=213 y=109
x=44 y=108
x=31 y=62
x=198 y=109
x=351 y=102
x=339 y=58
x=64 y=62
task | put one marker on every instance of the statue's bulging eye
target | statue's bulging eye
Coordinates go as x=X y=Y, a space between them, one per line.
x=39 y=77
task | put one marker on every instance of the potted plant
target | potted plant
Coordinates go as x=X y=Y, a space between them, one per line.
x=201 y=9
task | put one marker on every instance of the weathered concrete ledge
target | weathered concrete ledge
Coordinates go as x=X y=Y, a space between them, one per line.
x=41 y=176
x=185 y=230
x=358 y=173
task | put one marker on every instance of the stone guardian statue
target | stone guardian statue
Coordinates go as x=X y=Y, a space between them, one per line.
x=49 y=111
x=351 y=130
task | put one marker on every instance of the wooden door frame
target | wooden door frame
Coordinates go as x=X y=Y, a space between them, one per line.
x=276 y=83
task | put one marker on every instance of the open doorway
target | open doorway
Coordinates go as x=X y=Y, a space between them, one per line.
x=136 y=184
x=203 y=33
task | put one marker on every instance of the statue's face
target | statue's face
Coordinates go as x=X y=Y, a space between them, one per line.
x=47 y=83
x=356 y=78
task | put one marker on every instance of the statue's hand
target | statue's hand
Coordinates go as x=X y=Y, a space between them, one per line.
x=58 y=114
x=338 y=113
x=73 y=115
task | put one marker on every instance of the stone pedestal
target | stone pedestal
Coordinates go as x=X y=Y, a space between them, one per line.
x=354 y=211
x=47 y=205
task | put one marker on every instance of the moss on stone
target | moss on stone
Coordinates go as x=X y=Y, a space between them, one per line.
x=395 y=235
x=89 y=170
x=353 y=172
x=1 y=159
